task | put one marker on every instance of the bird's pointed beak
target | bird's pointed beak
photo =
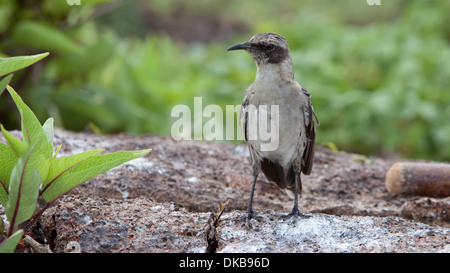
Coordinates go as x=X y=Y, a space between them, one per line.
x=244 y=46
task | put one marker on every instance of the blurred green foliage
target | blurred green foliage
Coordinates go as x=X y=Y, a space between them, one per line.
x=379 y=75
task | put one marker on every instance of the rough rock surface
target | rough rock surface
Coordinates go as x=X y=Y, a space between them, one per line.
x=167 y=200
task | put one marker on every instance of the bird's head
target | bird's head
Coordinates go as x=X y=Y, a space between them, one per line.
x=265 y=48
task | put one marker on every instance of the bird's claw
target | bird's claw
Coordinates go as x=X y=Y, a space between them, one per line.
x=249 y=215
x=295 y=212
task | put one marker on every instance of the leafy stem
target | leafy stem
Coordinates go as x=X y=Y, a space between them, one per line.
x=29 y=165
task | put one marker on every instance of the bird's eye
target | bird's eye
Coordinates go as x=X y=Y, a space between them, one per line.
x=270 y=47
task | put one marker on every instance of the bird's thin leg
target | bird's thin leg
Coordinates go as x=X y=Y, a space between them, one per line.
x=295 y=210
x=250 y=212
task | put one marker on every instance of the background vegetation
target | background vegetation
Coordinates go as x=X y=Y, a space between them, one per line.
x=379 y=75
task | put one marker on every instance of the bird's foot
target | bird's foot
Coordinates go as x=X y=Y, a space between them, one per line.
x=295 y=212
x=250 y=214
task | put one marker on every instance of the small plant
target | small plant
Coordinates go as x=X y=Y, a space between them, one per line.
x=30 y=169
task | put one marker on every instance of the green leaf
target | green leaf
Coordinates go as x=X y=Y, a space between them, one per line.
x=32 y=130
x=24 y=187
x=4 y=82
x=45 y=37
x=10 y=244
x=63 y=164
x=86 y=170
x=7 y=161
x=48 y=130
x=16 y=144
x=12 y=64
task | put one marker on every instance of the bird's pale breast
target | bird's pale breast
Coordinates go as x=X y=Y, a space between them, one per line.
x=291 y=138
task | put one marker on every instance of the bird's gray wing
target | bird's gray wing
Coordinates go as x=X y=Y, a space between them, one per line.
x=310 y=130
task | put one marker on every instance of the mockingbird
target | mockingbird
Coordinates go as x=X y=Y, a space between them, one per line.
x=275 y=85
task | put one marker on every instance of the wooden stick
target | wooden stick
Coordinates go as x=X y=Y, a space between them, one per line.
x=423 y=179
x=35 y=246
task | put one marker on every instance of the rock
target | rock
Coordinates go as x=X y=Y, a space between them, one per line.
x=164 y=202
x=427 y=210
x=141 y=225
x=328 y=233
x=137 y=225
